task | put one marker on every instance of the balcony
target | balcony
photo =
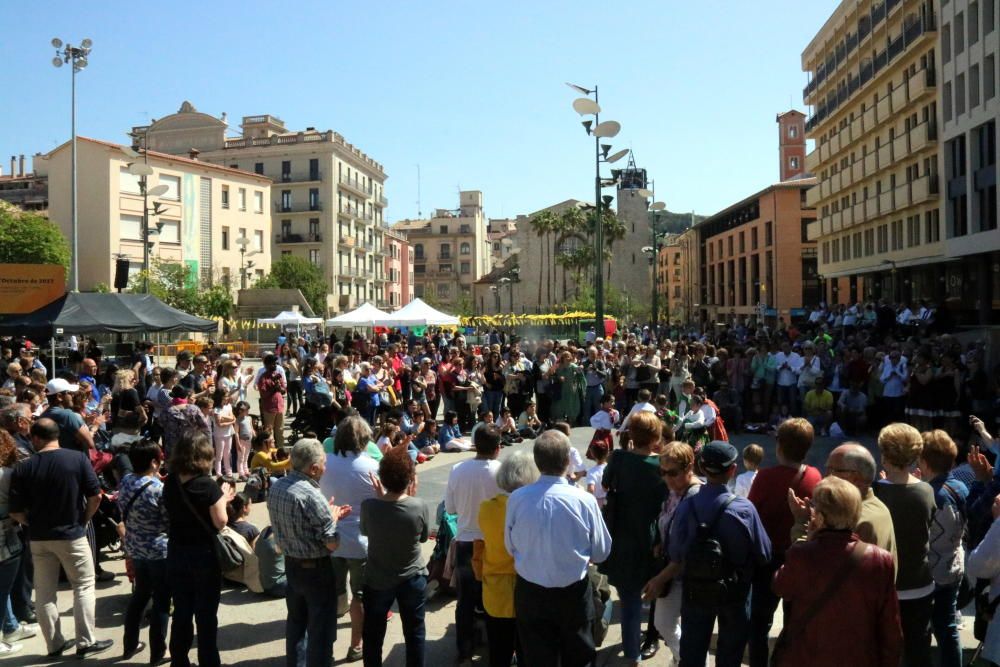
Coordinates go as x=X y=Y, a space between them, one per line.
x=859 y=213
x=883 y=110
x=921 y=83
x=348 y=210
x=812 y=161
x=835 y=143
x=347 y=242
x=871 y=164
x=848 y=216
x=836 y=221
x=857 y=171
x=901 y=196
x=885 y=156
x=922 y=136
x=364 y=217
x=900 y=147
x=308 y=177
x=868 y=118
x=857 y=129
x=279 y=207
x=885 y=205
x=298 y=238
x=924 y=189
x=812 y=196
x=381 y=200
x=356 y=185
x=899 y=98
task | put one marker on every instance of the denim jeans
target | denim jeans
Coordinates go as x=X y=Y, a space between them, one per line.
x=8 y=573
x=945 y=625
x=151 y=582
x=697 y=623
x=470 y=596
x=196 y=582
x=491 y=401
x=592 y=401
x=631 y=602
x=24 y=582
x=409 y=596
x=311 y=600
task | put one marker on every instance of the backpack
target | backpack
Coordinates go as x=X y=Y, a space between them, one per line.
x=258 y=484
x=709 y=577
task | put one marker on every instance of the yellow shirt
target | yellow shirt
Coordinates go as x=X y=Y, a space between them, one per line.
x=266 y=460
x=818 y=402
x=498 y=565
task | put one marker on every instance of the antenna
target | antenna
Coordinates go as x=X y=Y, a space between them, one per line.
x=419 y=213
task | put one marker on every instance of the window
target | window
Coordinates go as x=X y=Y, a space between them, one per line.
x=960 y=94
x=225 y=238
x=883 y=238
x=845 y=244
x=897 y=235
x=793 y=162
x=286 y=170
x=225 y=196
x=793 y=131
x=989 y=16
x=173 y=184
x=465 y=268
x=444 y=268
x=444 y=290
x=743 y=238
x=464 y=229
x=913 y=231
x=170 y=231
x=444 y=252
x=241 y=198
x=753 y=238
x=826 y=252
x=465 y=249
x=419 y=269
x=258 y=201
x=857 y=245
x=443 y=229
x=258 y=168
x=767 y=233
x=258 y=240
x=869 y=242
x=128 y=182
x=989 y=77
x=805 y=228
x=418 y=251
x=974 y=86
x=314 y=256
x=835 y=250
x=974 y=21
x=313 y=199
x=130 y=227
x=946 y=43
x=959 y=33
x=729 y=244
x=947 y=101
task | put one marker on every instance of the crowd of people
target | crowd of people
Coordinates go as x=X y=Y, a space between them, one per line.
x=689 y=531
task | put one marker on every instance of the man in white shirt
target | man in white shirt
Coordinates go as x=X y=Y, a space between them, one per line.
x=642 y=406
x=553 y=531
x=469 y=484
x=789 y=364
x=894 y=375
x=905 y=315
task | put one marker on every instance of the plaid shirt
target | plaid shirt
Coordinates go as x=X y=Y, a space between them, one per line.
x=300 y=516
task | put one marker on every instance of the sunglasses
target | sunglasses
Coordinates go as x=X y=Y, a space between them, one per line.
x=670 y=472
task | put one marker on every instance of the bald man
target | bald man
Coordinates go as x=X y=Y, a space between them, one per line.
x=854 y=463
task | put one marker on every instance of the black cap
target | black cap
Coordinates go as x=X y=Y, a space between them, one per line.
x=717 y=456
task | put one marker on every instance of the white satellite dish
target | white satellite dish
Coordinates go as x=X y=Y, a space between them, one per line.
x=158 y=190
x=586 y=106
x=140 y=169
x=607 y=129
x=657 y=206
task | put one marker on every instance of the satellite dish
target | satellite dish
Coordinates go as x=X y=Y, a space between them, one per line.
x=57 y=62
x=56 y=42
x=617 y=156
x=657 y=206
x=607 y=129
x=585 y=106
x=158 y=190
x=129 y=152
x=140 y=169
x=643 y=192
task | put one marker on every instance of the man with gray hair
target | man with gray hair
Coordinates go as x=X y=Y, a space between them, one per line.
x=554 y=531
x=16 y=420
x=852 y=462
x=305 y=528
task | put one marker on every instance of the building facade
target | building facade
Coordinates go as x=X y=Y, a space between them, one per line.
x=399 y=271
x=970 y=49
x=24 y=189
x=671 y=283
x=196 y=224
x=450 y=252
x=328 y=196
x=873 y=91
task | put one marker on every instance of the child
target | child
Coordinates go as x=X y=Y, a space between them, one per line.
x=508 y=428
x=487 y=418
x=237 y=511
x=451 y=438
x=576 y=468
x=598 y=452
x=528 y=424
x=244 y=436
x=752 y=457
x=426 y=443
x=222 y=431
x=384 y=442
x=603 y=422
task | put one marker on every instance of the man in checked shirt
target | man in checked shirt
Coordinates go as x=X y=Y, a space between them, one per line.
x=305 y=528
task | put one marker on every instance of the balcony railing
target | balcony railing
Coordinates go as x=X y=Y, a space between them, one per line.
x=279 y=207
x=312 y=176
x=357 y=185
x=298 y=238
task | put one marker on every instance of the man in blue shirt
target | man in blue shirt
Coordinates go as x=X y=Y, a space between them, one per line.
x=554 y=530
x=745 y=546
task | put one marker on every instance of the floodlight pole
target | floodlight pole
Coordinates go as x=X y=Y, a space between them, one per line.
x=598 y=234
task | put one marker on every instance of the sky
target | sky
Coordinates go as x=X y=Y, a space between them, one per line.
x=473 y=92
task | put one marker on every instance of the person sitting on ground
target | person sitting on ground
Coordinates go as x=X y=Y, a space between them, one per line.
x=528 y=423
x=852 y=410
x=819 y=406
x=508 y=428
x=237 y=511
x=486 y=418
x=450 y=438
x=267 y=456
x=753 y=455
x=270 y=564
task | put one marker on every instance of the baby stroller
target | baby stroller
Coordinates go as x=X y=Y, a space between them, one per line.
x=314 y=418
x=106 y=524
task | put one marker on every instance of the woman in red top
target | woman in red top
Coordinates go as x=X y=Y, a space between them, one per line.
x=842 y=607
x=769 y=494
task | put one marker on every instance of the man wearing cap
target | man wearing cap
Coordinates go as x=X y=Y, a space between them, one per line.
x=183 y=364
x=745 y=546
x=73 y=432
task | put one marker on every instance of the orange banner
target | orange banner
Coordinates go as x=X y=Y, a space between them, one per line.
x=24 y=288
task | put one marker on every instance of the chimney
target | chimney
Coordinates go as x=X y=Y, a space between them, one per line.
x=21 y=166
x=193 y=153
x=13 y=166
x=791 y=144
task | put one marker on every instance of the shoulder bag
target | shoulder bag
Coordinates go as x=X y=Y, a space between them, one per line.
x=134 y=498
x=229 y=556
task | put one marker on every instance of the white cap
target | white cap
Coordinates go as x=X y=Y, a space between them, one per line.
x=58 y=386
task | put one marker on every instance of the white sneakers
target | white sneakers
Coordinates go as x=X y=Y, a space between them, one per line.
x=24 y=631
x=8 y=649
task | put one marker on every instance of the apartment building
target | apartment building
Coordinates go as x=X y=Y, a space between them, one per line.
x=671 y=281
x=328 y=196
x=26 y=190
x=873 y=91
x=195 y=225
x=399 y=271
x=450 y=252
x=970 y=48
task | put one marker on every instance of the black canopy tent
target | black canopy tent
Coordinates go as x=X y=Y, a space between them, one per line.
x=91 y=313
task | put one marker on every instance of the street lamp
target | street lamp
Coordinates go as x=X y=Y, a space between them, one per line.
x=606 y=130
x=245 y=266
x=144 y=171
x=654 y=253
x=77 y=55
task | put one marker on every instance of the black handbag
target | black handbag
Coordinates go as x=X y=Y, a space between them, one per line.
x=230 y=558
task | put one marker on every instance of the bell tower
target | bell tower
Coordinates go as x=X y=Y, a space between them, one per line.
x=791 y=144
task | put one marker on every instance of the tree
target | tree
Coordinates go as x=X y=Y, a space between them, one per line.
x=291 y=272
x=215 y=301
x=29 y=238
x=170 y=282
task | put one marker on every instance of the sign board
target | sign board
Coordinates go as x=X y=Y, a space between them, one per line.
x=24 y=288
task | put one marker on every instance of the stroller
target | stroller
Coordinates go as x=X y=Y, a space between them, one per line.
x=106 y=524
x=314 y=418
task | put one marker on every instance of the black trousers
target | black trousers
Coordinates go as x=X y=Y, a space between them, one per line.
x=501 y=634
x=554 y=624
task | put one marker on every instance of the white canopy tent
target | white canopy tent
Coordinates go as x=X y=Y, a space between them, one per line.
x=365 y=315
x=290 y=318
x=417 y=314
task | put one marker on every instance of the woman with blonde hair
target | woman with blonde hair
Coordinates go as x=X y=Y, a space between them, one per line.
x=125 y=398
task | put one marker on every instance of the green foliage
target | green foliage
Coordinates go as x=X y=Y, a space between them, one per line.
x=215 y=301
x=617 y=304
x=464 y=307
x=102 y=288
x=175 y=284
x=29 y=238
x=291 y=272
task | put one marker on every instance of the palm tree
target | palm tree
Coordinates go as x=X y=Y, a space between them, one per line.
x=541 y=224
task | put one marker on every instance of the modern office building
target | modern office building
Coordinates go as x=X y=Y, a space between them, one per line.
x=970 y=49
x=206 y=209
x=398 y=270
x=328 y=196
x=873 y=93
x=450 y=252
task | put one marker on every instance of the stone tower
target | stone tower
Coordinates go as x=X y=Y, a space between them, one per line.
x=630 y=270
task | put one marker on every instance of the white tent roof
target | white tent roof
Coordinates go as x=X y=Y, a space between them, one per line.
x=365 y=315
x=290 y=318
x=417 y=314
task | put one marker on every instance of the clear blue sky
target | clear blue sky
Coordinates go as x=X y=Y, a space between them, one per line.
x=471 y=91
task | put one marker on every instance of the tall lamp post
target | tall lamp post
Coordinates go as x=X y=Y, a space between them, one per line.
x=606 y=130
x=654 y=254
x=245 y=266
x=77 y=55
x=144 y=171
